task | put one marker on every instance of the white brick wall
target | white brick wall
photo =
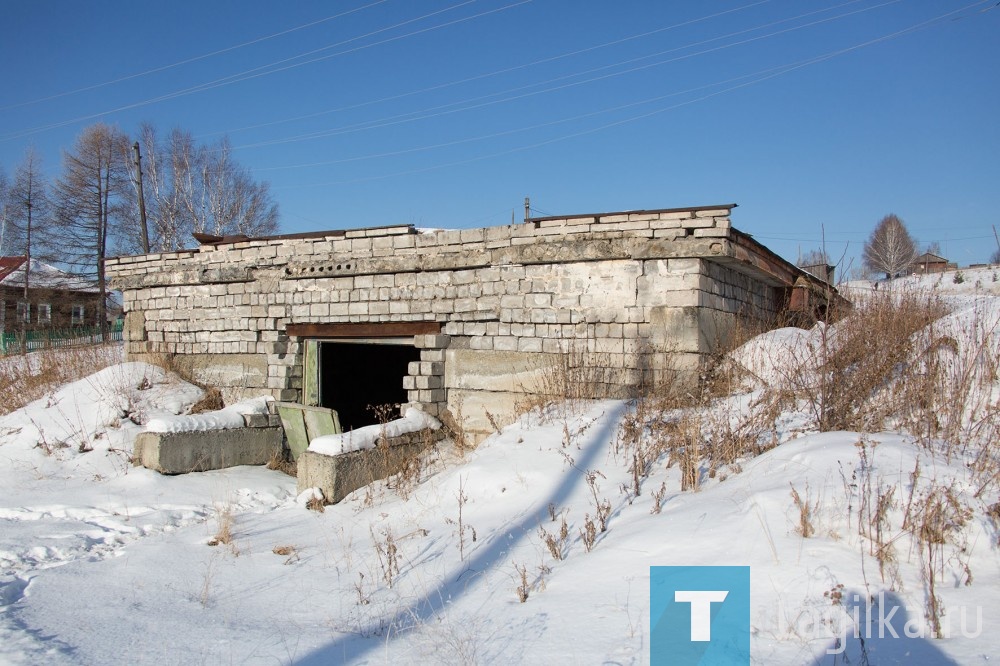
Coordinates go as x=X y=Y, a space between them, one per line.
x=529 y=288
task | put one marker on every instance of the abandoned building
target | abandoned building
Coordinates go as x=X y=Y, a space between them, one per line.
x=472 y=320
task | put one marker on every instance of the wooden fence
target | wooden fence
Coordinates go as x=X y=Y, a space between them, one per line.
x=20 y=341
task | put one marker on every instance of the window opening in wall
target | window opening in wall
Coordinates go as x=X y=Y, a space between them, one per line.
x=24 y=312
x=77 y=315
x=44 y=313
x=356 y=375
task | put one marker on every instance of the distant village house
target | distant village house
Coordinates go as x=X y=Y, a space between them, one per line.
x=53 y=299
x=931 y=263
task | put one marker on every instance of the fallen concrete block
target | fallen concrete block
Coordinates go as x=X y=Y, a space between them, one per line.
x=340 y=475
x=199 y=451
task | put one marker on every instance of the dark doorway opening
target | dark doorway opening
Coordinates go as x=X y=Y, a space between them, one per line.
x=355 y=378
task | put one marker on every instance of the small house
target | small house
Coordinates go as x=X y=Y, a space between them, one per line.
x=53 y=299
x=931 y=263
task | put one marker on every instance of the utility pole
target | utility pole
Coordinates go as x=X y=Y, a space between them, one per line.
x=27 y=241
x=25 y=322
x=997 y=237
x=142 y=199
x=527 y=209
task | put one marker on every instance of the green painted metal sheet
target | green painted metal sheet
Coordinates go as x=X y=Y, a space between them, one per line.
x=310 y=373
x=303 y=423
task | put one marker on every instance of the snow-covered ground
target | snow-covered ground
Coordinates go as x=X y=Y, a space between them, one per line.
x=101 y=562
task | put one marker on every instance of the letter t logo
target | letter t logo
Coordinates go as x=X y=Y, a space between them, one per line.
x=701 y=610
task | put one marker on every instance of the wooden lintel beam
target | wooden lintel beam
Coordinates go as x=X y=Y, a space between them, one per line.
x=365 y=330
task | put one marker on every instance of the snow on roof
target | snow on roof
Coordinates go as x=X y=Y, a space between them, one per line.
x=40 y=275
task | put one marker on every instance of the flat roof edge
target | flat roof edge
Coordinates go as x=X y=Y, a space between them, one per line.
x=652 y=211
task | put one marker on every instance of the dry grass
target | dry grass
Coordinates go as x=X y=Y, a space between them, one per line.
x=886 y=364
x=282 y=462
x=210 y=402
x=26 y=378
x=938 y=518
x=890 y=363
x=556 y=543
x=224 y=533
x=387 y=554
x=868 y=351
x=805 y=508
x=460 y=523
x=288 y=551
x=588 y=534
x=316 y=503
x=577 y=374
x=524 y=589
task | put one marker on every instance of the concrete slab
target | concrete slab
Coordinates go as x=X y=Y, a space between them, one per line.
x=183 y=452
x=338 y=476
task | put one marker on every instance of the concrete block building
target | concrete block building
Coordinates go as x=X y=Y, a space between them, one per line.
x=472 y=321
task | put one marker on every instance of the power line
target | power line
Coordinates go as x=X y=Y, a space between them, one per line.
x=494 y=135
x=497 y=72
x=444 y=109
x=264 y=70
x=783 y=70
x=187 y=61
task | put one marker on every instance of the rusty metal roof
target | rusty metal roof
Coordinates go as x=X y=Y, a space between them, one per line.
x=9 y=264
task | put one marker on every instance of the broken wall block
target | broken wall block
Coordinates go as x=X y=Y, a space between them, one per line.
x=340 y=475
x=183 y=452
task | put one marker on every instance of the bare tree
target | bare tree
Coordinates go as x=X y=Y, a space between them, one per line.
x=191 y=188
x=27 y=210
x=890 y=249
x=88 y=196
x=232 y=202
x=168 y=222
x=813 y=258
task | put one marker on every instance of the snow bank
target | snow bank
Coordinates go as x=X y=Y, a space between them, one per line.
x=365 y=438
x=223 y=419
x=775 y=355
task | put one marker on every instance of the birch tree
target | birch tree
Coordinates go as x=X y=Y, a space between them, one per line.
x=231 y=201
x=162 y=176
x=890 y=249
x=192 y=188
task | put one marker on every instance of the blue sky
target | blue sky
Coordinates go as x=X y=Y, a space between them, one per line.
x=813 y=115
